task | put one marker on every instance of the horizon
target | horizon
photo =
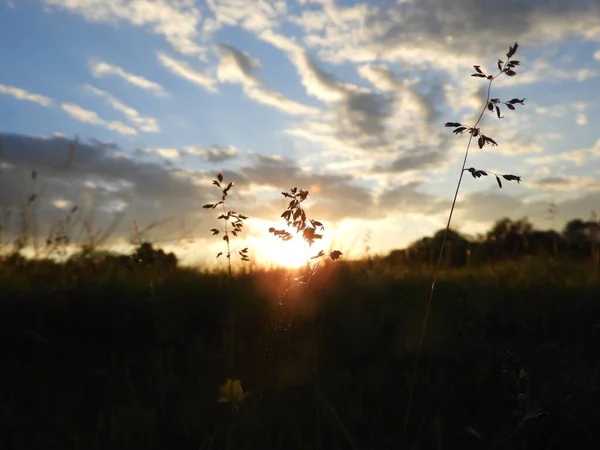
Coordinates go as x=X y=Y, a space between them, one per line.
x=345 y=99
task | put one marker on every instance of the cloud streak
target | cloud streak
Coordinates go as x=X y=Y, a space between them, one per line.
x=144 y=124
x=85 y=115
x=185 y=71
x=177 y=22
x=215 y=154
x=240 y=68
x=102 y=69
x=22 y=94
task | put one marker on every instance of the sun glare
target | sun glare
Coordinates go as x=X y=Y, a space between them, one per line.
x=291 y=254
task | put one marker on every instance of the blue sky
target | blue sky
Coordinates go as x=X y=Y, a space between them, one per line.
x=345 y=98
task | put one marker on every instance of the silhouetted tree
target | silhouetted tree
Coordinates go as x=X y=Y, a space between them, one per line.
x=509 y=239
x=147 y=255
x=582 y=237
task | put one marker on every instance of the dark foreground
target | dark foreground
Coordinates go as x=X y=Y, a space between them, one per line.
x=104 y=357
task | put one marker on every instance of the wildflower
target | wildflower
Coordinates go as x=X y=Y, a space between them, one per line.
x=232 y=392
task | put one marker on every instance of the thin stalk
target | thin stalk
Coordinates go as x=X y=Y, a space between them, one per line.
x=438 y=265
x=229 y=285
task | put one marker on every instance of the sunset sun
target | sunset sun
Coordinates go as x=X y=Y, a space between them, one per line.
x=291 y=254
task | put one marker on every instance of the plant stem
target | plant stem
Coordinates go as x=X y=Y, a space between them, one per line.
x=438 y=265
x=230 y=292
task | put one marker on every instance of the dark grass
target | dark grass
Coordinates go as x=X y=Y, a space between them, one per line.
x=97 y=356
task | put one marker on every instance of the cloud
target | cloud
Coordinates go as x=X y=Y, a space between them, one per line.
x=87 y=116
x=101 y=69
x=317 y=83
x=165 y=153
x=597 y=55
x=185 y=71
x=240 y=68
x=578 y=156
x=475 y=209
x=252 y=16
x=145 y=124
x=579 y=184
x=544 y=69
x=215 y=154
x=81 y=114
x=407 y=198
x=417 y=159
x=168 y=153
x=388 y=31
x=397 y=116
x=338 y=197
x=100 y=183
x=177 y=21
x=514 y=141
x=380 y=76
x=22 y=94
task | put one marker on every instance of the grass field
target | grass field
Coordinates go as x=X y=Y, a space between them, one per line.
x=101 y=356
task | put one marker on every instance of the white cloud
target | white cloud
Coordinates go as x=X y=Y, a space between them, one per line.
x=214 y=154
x=81 y=114
x=379 y=76
x=101 y=69
x=163 y=152
x=544 y=69
x=597 y=55
x=87 y=116
x=168 y=153
x=184 y=70
x=145 y=124
x=579 y=106
x=359 y=119
x=316 y=82
x=387 y=31
x=177 y=21
x=253 y=16
x=578 y=156
x=567 y=184
x=238 y=67
x=22 y=94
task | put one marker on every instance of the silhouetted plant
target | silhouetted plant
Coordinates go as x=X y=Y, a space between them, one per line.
x=233 y=222
x=491 y=104
x=526 y=409
x=27 y=220
x=309 y=230
x=59 y=236
x=303 y=226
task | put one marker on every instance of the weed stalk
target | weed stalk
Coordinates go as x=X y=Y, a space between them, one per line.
x=491 y=104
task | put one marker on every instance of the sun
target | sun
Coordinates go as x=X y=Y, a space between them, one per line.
x=291 y=254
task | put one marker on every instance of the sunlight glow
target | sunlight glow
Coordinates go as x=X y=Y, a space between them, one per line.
x=291 y=254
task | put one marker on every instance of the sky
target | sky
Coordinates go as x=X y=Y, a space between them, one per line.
x=344 y=98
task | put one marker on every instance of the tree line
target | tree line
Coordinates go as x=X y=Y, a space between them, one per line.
x=507 y=239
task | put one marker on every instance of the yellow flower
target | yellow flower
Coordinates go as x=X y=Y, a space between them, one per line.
x=232 y=392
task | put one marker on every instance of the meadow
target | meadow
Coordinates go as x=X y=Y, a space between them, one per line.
x=97 y=354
